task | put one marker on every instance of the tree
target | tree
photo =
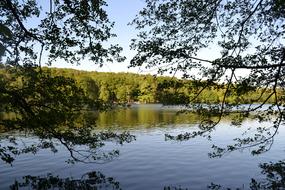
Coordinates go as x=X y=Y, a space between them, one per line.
x=249 y=36
x=68 y=30
x=147 y=91
x=52 y=107
x=105 y=93
x=90 y=87
x=168 y=92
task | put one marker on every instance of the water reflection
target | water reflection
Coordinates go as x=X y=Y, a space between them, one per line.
x=275 y=176
x=153 y=115
x=146 y=116
x=78 y=136
x=151 y=162
x=274 y=179
x=91 y=180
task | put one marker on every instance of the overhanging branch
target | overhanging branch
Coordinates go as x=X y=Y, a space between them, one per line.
x=240 y=66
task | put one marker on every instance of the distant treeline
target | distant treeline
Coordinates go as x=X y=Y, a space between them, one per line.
x=129 y=87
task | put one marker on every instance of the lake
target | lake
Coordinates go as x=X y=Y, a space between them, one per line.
x=151 y=162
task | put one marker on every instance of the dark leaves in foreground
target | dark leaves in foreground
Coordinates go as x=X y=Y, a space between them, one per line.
x=55 y=109
x=247 y=40
x=50 y=107
x=62 y=30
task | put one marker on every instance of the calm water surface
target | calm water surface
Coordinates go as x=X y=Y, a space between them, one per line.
x=150 y=162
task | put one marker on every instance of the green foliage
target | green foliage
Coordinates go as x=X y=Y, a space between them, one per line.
x=66 y=31
x=128 y=87
x=49 y=106
x=90 y=87
x=52 y=108
x=248 y=67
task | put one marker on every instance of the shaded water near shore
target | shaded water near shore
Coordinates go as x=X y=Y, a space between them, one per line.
x=151 y=162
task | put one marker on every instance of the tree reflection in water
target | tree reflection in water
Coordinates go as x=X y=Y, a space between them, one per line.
x=174 y=188
x=273 y=172
x=78 y=136
x=274 y=178
x=91 y=180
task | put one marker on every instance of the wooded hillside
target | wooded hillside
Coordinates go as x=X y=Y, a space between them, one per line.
x=130 y=87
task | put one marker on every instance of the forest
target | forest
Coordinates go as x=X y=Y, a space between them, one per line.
x=230 y=53
x=139 y=88
x=126 y=88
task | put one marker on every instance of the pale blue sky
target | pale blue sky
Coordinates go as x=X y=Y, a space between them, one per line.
x=121 y=12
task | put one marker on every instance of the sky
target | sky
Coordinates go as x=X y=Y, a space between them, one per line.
x=121 y=12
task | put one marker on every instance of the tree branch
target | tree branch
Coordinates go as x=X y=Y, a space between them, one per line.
x=239 y=66
x=15 y=14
